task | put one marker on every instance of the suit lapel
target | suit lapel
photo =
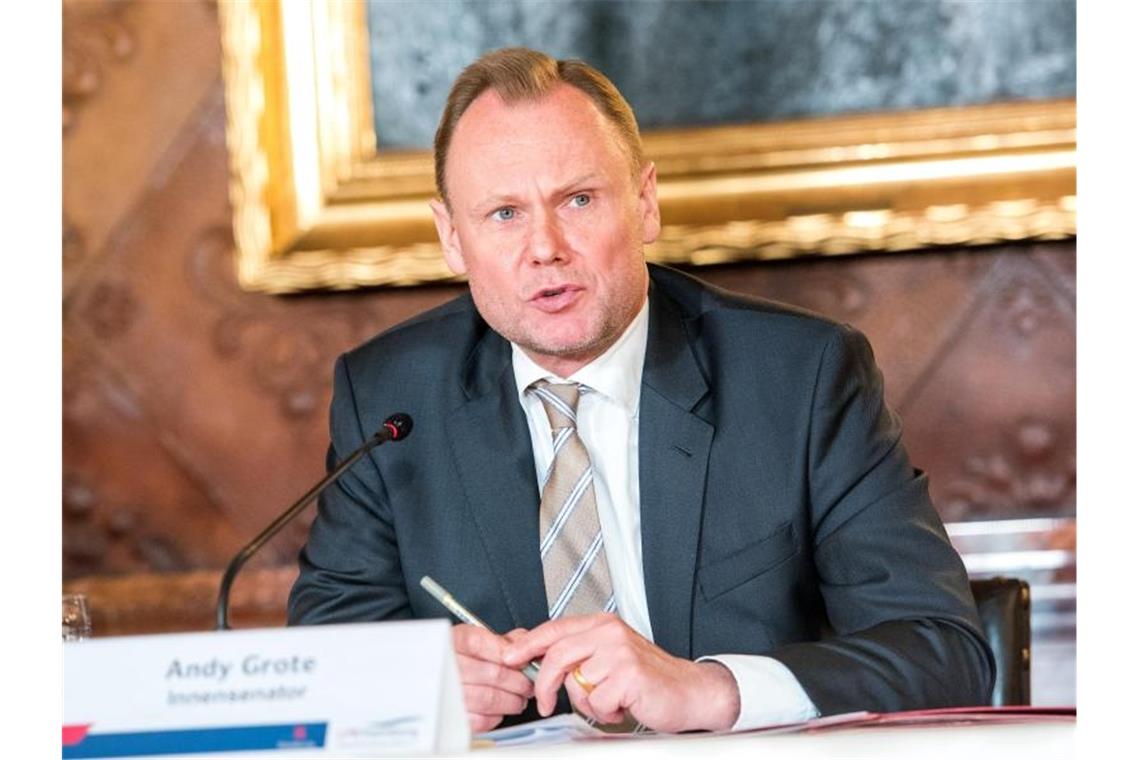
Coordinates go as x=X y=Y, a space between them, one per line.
x=673 y=453
x=491 y=445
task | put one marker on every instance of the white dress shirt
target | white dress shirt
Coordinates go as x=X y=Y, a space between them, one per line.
x=608 y=427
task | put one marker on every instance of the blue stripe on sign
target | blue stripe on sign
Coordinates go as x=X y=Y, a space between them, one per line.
x=283 y=736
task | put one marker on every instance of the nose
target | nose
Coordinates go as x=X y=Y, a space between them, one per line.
x=547 y=240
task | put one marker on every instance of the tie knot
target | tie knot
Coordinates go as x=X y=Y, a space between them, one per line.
x=560 y=401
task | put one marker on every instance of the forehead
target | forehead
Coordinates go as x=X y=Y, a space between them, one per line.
x=497 y=143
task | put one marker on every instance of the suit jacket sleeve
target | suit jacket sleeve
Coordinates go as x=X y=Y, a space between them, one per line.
x=350 y=566
x=906 y=630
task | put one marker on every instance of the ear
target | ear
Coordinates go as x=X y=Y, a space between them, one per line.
x=448 y=237
x=647 y=197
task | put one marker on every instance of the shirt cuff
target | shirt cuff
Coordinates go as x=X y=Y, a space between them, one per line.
x=769 y=694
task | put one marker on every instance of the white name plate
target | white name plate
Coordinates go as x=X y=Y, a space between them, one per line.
x=360 y=689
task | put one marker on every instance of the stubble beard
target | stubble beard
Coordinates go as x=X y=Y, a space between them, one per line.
x=588 y=348
x=599 y=337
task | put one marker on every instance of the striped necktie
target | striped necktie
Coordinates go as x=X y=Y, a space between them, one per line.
x=573 y=556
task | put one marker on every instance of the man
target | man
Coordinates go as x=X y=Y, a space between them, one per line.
x=625 y=470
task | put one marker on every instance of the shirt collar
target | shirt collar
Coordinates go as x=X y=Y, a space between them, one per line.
x=615 y=374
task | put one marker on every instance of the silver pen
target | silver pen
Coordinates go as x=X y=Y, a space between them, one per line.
x=455 y=608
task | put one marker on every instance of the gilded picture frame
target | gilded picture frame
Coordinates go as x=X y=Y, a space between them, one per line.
x=317 y=207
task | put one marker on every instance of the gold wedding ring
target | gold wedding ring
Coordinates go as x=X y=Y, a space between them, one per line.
x=584 y=682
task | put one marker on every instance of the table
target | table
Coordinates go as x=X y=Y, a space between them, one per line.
x=1040 y=740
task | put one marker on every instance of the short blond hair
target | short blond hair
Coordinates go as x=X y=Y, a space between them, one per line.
x=521 y=74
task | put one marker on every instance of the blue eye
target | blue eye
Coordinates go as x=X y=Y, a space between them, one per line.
x=504 y=214
x=580 y=200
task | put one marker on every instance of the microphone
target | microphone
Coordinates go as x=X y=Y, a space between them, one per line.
x=395 y=428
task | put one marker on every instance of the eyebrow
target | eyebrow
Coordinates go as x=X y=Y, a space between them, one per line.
x=584 y=179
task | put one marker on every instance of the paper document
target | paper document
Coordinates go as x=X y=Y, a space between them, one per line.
x=569 y=727
x=556 y=729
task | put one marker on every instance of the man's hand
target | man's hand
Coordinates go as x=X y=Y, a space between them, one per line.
x=628 y=673
x=490 y=688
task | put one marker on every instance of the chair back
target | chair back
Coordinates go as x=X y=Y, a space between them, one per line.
x=1003 y=605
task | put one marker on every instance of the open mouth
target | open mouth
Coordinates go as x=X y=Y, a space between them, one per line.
x=555 y=298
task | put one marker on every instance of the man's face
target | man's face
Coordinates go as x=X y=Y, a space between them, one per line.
x=548 y=224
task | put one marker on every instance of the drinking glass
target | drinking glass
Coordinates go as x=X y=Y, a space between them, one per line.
x=76 y=618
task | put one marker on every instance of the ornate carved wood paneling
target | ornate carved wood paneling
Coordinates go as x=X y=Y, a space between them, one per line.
x=998 y=410
x=134 y=77
x=97 y=35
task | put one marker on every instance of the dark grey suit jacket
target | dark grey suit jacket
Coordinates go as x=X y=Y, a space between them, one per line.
x=779 y=512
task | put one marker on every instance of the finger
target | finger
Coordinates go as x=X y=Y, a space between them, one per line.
x=560 y=660
x=514 y=634
x=535 y=642
x=487 y=700
x=550 y=680
x=606 y=701
x=580 y=699
x=477 y=642
x=475 y=671
x=480 y=723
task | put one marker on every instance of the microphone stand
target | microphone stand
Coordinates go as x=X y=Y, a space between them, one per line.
x=395 y=428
